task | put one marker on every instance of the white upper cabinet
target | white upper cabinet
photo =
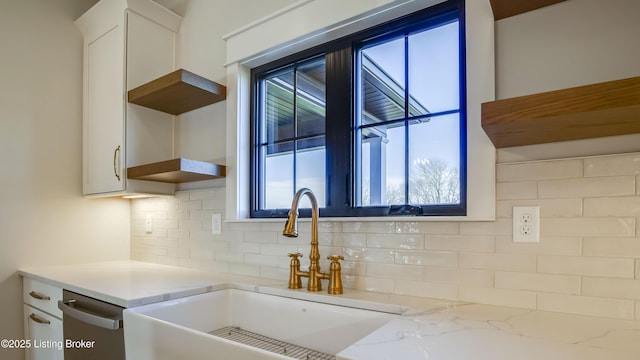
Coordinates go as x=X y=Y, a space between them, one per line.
x=126 y=43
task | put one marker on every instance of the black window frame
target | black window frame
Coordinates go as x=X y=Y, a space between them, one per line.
x=341 y=64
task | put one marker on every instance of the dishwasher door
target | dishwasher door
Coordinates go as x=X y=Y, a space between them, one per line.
x=92 y=328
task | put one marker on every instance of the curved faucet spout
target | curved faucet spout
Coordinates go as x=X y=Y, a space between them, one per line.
x=291 y=226
x=291 y=230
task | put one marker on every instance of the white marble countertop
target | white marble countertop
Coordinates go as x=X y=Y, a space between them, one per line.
x=132 y=283
x=483 y=332
x=427 y=329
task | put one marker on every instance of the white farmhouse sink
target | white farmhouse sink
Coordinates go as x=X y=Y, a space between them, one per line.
x=179 y=329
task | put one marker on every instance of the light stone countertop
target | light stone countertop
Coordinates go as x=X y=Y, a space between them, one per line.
x=427 y=329
x=483 y=332
x=133 y=283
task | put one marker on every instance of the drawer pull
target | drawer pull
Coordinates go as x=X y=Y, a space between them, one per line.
x=39 y=320
x=39 y=296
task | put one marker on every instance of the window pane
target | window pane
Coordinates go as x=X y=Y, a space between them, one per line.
x=423 y=169
x=434 y=83
x=382 y=82
x=311 y=167
x=434 y=161
x=382 y=165
x=277 y=187
x=311 y=99
x=278 y=108
x=293 y=142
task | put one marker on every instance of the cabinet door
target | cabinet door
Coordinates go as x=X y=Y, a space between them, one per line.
x=104 y=146
x=45 y=334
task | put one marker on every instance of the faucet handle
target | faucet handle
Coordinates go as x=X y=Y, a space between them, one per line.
x=335 y=278
x=294 y=271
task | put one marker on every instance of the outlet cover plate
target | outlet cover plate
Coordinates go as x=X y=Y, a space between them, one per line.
x=216 y=223
x=526 y=224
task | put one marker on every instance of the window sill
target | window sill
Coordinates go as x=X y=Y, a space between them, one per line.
x=369 y=219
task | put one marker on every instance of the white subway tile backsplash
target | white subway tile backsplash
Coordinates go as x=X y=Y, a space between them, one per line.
x=437 y=228
x=202 y=255
x=583 y=305
x=587 y=260
x=178 y=253
x=407 y=227
x=548 y=207
x=505 y=262
x=244 y=269
x=261 y=237
x=217 y=266
x=229 y=257
x=480 y=278
x=262 y=260
x=586 y=266
x=563 y=284
x=274 y=273
x=478 y=228
x=428 y=258
x=149 y=250
x=608 y=287
x=353 y=268
x=612 y=247
x=395 y=271
x=612 y=206
x=547 y=246
x=504 y=297
x=190 y=205
x=380 y=227
x=587 y=187
x=156 y=242
x=520 y=190
x=466 y=243
x=371 y=284
x=539 y=170
x=567 y=227
x=426 y=289
x=371 y=255
x=348 y=240
x=414 y=241
x=612 y=165
x=205 y=194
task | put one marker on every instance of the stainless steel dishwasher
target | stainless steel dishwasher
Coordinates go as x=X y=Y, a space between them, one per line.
x=92 y=328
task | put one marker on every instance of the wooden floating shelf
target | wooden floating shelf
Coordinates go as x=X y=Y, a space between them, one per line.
x=177 y=171
x=178 y=92
x=598 y=110
x=506 y=8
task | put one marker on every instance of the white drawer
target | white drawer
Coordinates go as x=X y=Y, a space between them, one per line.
x=42 y=295
x=45 y=333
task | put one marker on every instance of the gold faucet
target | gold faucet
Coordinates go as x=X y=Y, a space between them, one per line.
x=314 y=274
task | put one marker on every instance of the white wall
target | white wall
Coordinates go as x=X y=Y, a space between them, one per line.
x=43 y=218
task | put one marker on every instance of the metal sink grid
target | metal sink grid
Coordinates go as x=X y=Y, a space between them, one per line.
x=256 y=340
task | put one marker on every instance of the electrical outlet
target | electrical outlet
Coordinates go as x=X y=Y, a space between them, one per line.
x=216 y=223
x=526 y=224
x=148 y=224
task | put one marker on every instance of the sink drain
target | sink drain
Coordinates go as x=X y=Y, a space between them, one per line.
x=242 y=336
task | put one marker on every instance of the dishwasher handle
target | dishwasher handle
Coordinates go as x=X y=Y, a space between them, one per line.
x=89 y=318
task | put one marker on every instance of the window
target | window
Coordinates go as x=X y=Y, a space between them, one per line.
x=373 y=123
